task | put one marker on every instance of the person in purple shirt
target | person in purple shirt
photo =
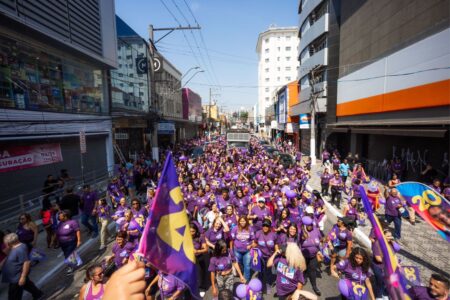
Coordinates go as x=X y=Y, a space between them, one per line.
x=325 y=181
x=68 y=235
x=169 y=286
x=241 y=242
x=217 y=232
x=351 y=210
x=121 y=250
x=133 y=226
x=283 y=222
x=201 y=202
x=336 y=189
x=221 y=268
x=292 y=236
x=190 y=196
x=310 y=243
x=340 y=240
x=436 y=185
x=87 y=204
x=137 y=210
x=325 y=156
x=103 y=211
x=241 y=203
x=438 y=289
x=392 y=212
x=266 y=241
x=201 y=256
x=259 y=213
x=223 y=200
x=230 y=217
x=290 y=265
x=356 y=269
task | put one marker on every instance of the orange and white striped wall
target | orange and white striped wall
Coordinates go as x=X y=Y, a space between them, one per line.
x=414 y=77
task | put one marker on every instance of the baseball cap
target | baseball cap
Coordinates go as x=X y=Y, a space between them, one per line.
x=266 y=223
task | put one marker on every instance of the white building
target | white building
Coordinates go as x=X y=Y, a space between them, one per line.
x=277 y=50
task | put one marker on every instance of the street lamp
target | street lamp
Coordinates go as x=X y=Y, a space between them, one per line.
x=200 y=71
x=187 y=72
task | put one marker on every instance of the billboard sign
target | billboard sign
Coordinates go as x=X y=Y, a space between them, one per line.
x=282 y=105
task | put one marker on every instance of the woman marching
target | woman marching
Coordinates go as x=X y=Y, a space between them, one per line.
x=93 y=288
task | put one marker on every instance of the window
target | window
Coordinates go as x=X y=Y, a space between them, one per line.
x=141 y=46
x=266 y=40
x=120 y=65
x=288 y=68
x=288 y=58
x=267 y=79
x=278 y=37
x=120 y=75
x=130 y=65
x=279 y=49
x=130 y=84
x=121 y=84
x=140 y=75
x=266 y=89
x=278 y=69
x=278 y=78
x=288 y=78
x=267 y=98
x=129 y=56
x=267 y=70
x=288 y=48
x=131 y=75
x=267 y=50
x=278 y=58
x=266 y=60
x=119 y=57
x=141 y=84
x=288 y=38
x=141 y=93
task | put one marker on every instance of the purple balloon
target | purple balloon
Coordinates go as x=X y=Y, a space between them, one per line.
x=343 y=288
x=291 y=194
x=235 y=177
x=285 y=188
x=306 y=220
x=183 y=158
x=255 y=285
x=241 y=290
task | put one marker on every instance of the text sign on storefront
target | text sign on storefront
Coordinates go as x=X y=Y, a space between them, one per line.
x=24 y=157
x=166 y=128
x=305 y=121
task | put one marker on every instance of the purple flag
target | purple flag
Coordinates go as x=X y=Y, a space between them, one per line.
x=166 y=242
x=412 y=275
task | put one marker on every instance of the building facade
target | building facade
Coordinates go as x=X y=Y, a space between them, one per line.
x=55 y=61
x=192 y=112
x=319 y=59
x=393 y=88
x=132 y=110
x=277 y=65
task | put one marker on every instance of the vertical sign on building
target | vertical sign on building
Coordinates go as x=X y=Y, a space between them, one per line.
x=82 y=142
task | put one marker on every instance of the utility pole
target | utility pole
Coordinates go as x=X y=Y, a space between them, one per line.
x=313 y=118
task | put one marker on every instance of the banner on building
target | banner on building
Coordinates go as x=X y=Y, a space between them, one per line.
x=24 y=157
x=305 y=121
x=291 y=127
x=141 y=65
x=282 y=105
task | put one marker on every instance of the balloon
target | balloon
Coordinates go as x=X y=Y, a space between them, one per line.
x=255 y=285
x=343 y=288
x=235 y=177
x=306 y=220
x=291 y=194
x=183 y=158
x=241 y=290
x=285 y=188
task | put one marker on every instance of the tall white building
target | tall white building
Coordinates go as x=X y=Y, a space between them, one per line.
x=277 y=50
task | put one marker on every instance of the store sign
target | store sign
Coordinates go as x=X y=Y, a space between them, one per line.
x=166 y=128
x=157 y=64
x=24 y=157
x=121 y=136
x=304 y=121
x=141 y=65
x=282 y=107
x=82 y=142
x=273 y=124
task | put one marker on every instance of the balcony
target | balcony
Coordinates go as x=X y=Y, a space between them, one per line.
x=317 y=29
x=308 y=7
x=318 y=59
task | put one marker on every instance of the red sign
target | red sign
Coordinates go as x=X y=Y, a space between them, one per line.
x=24 y=157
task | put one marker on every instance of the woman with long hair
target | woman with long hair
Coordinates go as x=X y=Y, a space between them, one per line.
x=93 y=288
x=216 y=232
x=221 y=268
x=27 y=231
x=46 y=217
x=241 y=243
x=290 y=265
x=283 y=222
x=103 y=211
x=291 y=236
x=201 y=255
x=355 y=269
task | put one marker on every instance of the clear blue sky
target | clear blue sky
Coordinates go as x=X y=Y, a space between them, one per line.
x=230 y=31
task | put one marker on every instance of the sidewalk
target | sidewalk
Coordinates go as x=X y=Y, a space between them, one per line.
x=45 y=271
x=421 y=246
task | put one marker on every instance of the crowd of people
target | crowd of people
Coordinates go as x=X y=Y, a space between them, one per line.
x=251 y=216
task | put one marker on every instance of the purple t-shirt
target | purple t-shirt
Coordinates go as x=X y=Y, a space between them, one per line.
x=287 y=278
x=241 y=205
x=266 y=242
x=214 y=236
x=283 y=239
x=66 y=231
x=222 y=263
x=325 y=178
x=198 y=242
x=310 y=246
x=120 y=253
x=352 y=213
x=261 y=214
x=231 y=220
x=89 y=199
x=355 y=274
x=241 y=238
x=202 y=202
x=168 y=285
x=420 y=293
x=222 y=203
x=104 y=212
x=340 y=238
x=391 y=206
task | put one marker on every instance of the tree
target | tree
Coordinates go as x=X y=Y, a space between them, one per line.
x=244 y=116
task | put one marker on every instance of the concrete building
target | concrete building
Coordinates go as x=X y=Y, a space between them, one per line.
x=55 y=59
x=192 y=112
x=132 y=110
x=278 y=65
x=319 y=59
x=394 y=81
